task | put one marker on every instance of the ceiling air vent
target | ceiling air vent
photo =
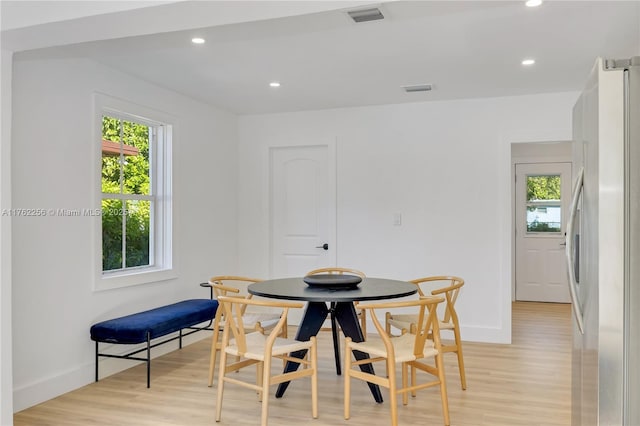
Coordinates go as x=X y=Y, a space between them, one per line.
x=417 y=88
x=365 y=15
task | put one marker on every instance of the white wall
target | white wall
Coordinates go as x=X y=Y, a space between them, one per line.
x=53 y=301
x=6 y=376
x=445 y=166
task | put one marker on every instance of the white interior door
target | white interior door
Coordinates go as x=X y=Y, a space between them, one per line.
x=303 y=209
x=543 y=196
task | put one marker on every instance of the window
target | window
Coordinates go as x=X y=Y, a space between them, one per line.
x=135 y=186
x=544 y=212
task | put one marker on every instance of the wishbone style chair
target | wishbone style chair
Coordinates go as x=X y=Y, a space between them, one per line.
x=448 y=318
x=412 y=350
x=334 y=323
x=251 y=347
x=224 y=285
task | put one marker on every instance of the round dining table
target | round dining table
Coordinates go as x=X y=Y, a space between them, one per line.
x=340 y=299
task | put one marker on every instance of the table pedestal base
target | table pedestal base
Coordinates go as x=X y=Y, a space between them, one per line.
x=346 y=316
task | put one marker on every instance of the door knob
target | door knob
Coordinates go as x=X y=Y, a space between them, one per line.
x=324 y=246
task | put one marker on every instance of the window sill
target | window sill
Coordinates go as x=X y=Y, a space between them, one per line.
x=110 y=281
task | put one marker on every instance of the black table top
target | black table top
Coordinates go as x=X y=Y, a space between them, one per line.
x=297 y=289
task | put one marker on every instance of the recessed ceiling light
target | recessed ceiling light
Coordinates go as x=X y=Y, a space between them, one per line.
x=274 y=84
x=528 y=62
x=197 y=40
x=533 y=3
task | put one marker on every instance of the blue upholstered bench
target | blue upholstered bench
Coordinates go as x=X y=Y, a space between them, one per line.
x=145 y=326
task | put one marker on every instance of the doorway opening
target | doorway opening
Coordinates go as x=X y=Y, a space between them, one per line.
x=541 y=192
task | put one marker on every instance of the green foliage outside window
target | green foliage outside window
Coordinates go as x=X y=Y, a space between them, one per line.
x=536 y=226
x=543 y=193
x=543 y=188
x=131 y=178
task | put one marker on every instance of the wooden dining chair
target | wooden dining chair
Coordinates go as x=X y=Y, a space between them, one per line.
x=254 y=348
x=334 y=324
x=224 y=285
x=449 y=287
x=408 y=350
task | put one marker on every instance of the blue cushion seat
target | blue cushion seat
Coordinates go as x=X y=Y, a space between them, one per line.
x=159 y=322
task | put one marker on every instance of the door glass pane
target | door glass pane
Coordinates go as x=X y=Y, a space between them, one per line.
x=544 y=211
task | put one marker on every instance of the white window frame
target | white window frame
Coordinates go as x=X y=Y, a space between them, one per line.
x=162 y=258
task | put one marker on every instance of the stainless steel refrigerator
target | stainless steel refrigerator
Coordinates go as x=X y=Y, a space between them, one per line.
x=603 y=246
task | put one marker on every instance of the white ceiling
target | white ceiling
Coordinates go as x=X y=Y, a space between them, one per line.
x=325 y=60
x=26 y=13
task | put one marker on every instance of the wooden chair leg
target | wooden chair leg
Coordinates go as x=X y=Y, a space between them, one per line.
x=413 y=380
x=405 y=382
x=463 y=378
x=314 y=378
x=266 y=379
x=259 y=379
x=212 y=362
x=347 y=378
x=223 y=361
x=393 y=392
x=443 y=389
x=214 y=349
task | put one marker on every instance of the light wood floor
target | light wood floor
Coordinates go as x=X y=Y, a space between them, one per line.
x=525 y=383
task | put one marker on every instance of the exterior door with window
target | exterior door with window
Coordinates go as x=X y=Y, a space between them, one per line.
x=543 y=194
x=303 y=209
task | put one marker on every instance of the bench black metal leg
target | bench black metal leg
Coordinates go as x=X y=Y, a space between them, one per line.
x=96 y=360
x=148 y=360
x=180 y=340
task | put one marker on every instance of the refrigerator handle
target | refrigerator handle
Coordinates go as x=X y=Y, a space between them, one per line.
x=570 y=252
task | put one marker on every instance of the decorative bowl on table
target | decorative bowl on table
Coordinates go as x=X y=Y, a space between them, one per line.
x=333 y=281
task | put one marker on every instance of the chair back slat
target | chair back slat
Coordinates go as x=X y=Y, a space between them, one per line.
x=273 y=335
x=452 y=296
x=450 y=292
x=233 y=309
x=234 y=325
x=427 y=325
x=221 y=287
x=383 y=335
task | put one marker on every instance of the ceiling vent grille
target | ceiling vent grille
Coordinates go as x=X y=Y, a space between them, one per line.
x=365 y=15
x=418 y=88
